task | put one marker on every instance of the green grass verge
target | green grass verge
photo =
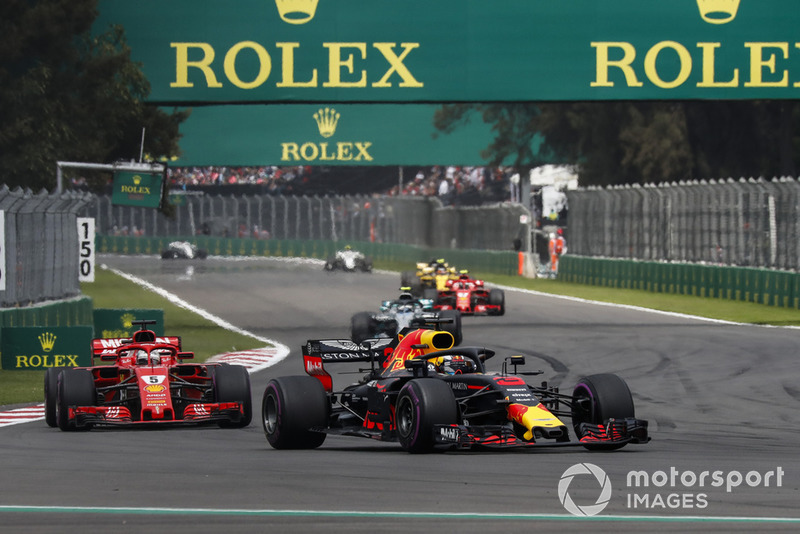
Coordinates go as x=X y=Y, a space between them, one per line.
x=206 y=339
x=109 y=290
x=722 y=309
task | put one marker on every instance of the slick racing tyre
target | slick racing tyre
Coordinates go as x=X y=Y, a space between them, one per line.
x=498 y=298
x=421 y=404
x=453 y=327
x=598 y=398
x=290 y=407
x=361 y=327
x=75 y=388
x=51 y=395
x=430 y=293
x=232 y=384
x=365 y=265
x=407 y=278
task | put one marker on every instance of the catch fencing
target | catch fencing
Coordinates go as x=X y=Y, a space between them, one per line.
x=744 y=223
x=41 y=245
x=410 y=220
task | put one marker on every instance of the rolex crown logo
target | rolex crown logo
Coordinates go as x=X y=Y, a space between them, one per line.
x=137 y=179
x=327 y=119
x=127 y=320
x=296 y=11
x=47 y=340
x=718 y=11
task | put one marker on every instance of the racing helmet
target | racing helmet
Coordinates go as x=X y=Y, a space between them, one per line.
x=141 y=357
x=405 y=307
x=454 y=365
x=155 y=358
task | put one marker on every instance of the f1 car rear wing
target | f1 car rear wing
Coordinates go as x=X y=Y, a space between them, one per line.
x=316 y=353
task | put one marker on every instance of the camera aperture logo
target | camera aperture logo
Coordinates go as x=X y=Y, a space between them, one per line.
x=584 y=469
x=663 y=489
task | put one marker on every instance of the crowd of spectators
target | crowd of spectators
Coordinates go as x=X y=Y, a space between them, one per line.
x=275 y=180
x=452 y=184
x=459 y=185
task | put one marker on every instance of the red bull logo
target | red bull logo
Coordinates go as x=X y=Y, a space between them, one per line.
x=418 y=343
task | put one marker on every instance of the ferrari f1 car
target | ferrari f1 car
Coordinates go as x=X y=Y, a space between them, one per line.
x=183 y=250
x=427 y=395
x=403 y=312
x=349 y=260
x=470 y=297
x=428 y=278
x=146 y=383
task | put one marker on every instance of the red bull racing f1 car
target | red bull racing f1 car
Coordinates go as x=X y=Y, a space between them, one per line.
x=145 y=382
x=427 y=395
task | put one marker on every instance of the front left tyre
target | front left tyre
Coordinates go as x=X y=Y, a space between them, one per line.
x=421 y=404
x=498 y=298
x=290 y=408
x=598 y=398
x=51 y=395
x=75 y=388
x=232 y=384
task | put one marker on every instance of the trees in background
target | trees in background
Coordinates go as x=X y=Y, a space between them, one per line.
x=643 y=142
x=67 y=94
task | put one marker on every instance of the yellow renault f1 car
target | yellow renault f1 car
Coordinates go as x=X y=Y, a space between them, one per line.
x=426 y=394
x=429 y=278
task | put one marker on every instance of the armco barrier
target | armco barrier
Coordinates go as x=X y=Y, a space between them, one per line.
x=761 y=286
x=483 y=261
x=70 y=312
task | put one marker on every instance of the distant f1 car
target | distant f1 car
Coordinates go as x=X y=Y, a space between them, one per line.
x=425 y=394
x=183 y=250
x=470 y=297
x=429 y=277
x=349 y=260
x=403 y=312
x=146 y=383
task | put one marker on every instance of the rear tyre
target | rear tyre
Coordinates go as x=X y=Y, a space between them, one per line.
x=51 y=395
x=292 y=405
x=361 y=327
x=498 y=298
x=421 y=404
x=75 y=388
x=598 y=398
x=430 y=293
x=407 y=278
x=366 y=264
x=232 y=384
x=453 y=327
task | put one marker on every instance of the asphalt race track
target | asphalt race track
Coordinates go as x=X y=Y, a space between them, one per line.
x=722 y=401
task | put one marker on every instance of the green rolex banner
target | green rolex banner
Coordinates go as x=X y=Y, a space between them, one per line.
x=367 y=51
x=342 y=134
x=27 y=348
x=118 y=322
x=142 y=189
